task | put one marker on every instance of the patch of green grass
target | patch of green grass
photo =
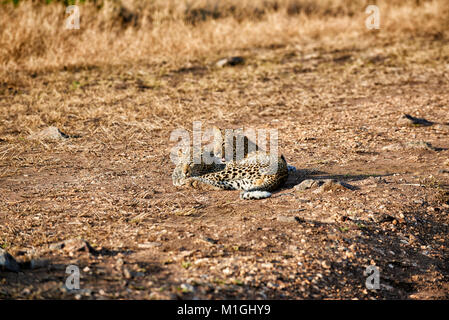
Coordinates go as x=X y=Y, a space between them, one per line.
x=75 y=85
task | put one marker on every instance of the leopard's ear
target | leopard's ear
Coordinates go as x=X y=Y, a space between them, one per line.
x=218 y=141
x=182 y=157
x=216 y=131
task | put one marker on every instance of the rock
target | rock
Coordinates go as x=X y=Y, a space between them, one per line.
x=232 y=61
x=185 y=287
x=334 y=185
x=7 y=262
x=73 y=245
x=309 y=184
x=50 y=133
x=325 y=185
x=408 y=120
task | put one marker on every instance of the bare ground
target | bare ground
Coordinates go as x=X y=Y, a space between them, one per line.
x=337 y=111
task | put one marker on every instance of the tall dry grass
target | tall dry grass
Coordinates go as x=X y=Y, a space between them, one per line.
x=33 y=36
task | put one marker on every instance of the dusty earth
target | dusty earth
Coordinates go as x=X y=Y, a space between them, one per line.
x=106 y=188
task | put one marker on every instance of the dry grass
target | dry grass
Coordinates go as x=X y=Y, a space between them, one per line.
x=33 y=37
x=130 y=76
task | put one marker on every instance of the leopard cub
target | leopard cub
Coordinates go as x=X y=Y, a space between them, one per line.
x=256 y=174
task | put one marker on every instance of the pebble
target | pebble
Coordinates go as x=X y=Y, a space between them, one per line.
x=49 y=133
x=187 y=287
x=232 y=61
x=127 y=273
x=334 y=185
x=227 y=271
x=308 y=184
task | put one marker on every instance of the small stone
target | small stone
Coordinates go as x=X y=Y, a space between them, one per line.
x=227 y=271
x=326 y=264
x=50 y=133
x=334 y=185
x=127 y=273
x=232 y=61
x=7 y=262
x=186 y=288
x=308 y=184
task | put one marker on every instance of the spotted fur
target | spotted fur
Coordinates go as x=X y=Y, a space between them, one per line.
x=256 y=174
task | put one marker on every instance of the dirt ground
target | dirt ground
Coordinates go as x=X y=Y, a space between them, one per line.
x=107 y=187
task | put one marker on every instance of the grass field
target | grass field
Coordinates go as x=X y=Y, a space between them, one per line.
x=135 y=71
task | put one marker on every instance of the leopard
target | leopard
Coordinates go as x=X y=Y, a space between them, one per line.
x=256 y=175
